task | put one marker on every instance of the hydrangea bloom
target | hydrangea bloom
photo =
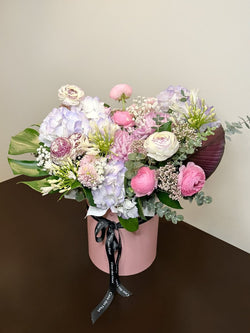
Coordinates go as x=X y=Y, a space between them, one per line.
x=62 y=122
x=171 y=97
x=93 y=108
x=111 y=192
x=128 y=210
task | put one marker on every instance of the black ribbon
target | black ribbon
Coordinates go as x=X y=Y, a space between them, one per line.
x=112 y=246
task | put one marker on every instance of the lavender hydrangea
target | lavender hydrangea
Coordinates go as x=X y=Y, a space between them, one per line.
x=62 y=122
x=171 y=96
x=111 y=192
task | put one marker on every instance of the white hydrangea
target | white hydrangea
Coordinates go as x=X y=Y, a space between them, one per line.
x=126 y=210
x=93 y=108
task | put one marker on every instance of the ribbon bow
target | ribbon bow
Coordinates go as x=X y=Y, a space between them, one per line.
x=112 y=245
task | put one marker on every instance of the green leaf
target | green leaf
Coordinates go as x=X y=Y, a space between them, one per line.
x=129 y=174
x=165 y=127
x=88 y=194
x=106 y=105
x=129 y=224
x=136 y=156
x=183 y=99
x=26 y=141
x=80 y=196
x=76 y=184
x=140 y=210
x=27 y=168
x=164 y=198
x=37 y=184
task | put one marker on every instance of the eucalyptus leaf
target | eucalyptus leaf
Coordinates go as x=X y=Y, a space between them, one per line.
x=136 y=156
x=26 y=141
x=27 y=168
x=129 y=224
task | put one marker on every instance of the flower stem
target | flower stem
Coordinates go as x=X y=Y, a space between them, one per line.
x=123 y=103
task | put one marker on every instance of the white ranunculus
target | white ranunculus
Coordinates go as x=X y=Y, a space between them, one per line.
x=70 y=95
x=161 y=145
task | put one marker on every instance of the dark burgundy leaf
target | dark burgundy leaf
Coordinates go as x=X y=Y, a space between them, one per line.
x=210 y=154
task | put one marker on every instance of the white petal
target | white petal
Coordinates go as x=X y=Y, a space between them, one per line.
x=96 y=211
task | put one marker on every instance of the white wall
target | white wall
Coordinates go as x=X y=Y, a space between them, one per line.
x=149 y=45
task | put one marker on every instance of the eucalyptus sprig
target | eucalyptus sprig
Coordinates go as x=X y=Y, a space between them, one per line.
x=235 y=127
x=200 y=198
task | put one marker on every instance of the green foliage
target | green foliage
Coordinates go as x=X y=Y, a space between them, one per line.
x=26 y=141
x=80 y=195
x=37 y=184
x=170 y=215
x=200 y=198
x=88 y=195
x=133 y=164
x=27 y=168
x=189 y=146
x=129 y=224
x=140 y=208
x=136 y=157
x=166 y=127
x=165 y=199
x=235 y=127
x=158 y=120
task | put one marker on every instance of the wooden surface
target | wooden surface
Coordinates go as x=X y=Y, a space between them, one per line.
x=48 y=284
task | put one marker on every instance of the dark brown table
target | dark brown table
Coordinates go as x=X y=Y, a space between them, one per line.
x=48 y=284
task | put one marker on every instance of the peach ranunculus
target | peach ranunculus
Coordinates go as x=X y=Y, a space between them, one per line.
x=161 y=145
x=191 y=179
x=123 y=118
x=120 y=91
x=144 y=182
x=70 y=95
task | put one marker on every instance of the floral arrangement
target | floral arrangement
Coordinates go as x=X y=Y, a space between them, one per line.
x=137 y=160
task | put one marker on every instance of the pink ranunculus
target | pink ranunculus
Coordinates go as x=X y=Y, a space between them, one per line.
x=191 y=179
x=120 y=89
x=60 y=148
x=123 y=118
x=144 y=182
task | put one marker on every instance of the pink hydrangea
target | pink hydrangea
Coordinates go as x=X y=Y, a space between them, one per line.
x=120 y=89
x=191 y=179
x=144 y=182
x=122 y=145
